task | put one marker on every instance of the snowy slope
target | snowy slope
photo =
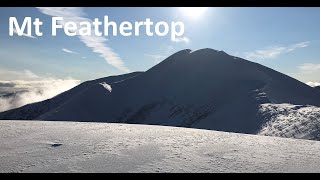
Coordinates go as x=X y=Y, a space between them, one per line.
x=35 y=110
x=294 y=121
x=205 y=89
x=39 y=146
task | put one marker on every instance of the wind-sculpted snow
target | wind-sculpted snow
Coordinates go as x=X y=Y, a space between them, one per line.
x=294 y=121
x=40 y=146
x=106 y=86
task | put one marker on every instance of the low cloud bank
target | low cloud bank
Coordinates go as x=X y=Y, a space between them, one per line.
x=17 y=93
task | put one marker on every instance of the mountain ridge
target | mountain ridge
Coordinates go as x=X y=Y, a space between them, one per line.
x=48 y=105
x=206 y=89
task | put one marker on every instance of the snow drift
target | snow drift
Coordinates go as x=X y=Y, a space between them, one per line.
x=40 y=146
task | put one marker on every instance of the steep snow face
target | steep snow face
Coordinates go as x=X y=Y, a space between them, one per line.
x=205 y=89
x=39 y=146
x=294 y=121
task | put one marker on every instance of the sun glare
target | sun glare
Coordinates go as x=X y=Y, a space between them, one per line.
x=193 y=12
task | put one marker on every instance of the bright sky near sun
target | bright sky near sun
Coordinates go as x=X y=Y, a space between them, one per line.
x=285 y=39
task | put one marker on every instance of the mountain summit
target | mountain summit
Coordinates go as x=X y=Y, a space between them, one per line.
x=206 y=89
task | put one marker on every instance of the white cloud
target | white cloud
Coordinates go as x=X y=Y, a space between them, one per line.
x=23 y=34
x=313 y=84
x=156 y=57
x=308 y=73
x=7 y=75
x=267 y=53
x=166 y=50
x=299 y=45
x=309 y=67
x=274 y=51
x=182 y=39
x=97 y=44
x=69 y=51
x=30 y=88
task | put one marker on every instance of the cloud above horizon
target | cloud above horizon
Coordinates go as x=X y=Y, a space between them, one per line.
x=28 y=87
x=165 y=51
x=156 y=57
x=96 y=43
x=8 y=75
x=185 y=40
x=69 y=51
x=308 y=73
x=273 y=52
x=309 y=67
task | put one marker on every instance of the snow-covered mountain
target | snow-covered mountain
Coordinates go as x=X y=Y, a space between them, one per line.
x=205 y=89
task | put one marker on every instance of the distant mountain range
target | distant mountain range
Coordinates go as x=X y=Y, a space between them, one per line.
x=206 y=89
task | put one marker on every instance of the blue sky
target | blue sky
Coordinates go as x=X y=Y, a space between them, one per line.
x=285 y=39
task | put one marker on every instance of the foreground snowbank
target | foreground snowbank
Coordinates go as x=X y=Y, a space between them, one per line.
x=39 y=146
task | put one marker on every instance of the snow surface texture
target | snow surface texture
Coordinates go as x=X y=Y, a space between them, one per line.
x=40 y=146
x=294 y=121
